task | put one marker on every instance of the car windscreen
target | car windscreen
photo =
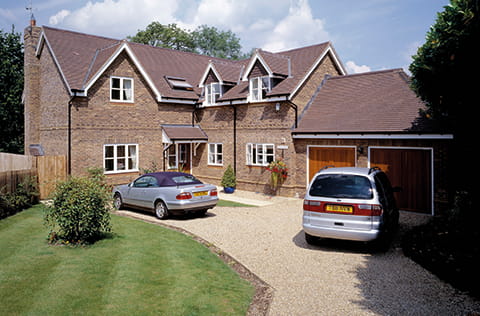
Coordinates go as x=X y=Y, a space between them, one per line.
x=341 y=186
x=185 y=179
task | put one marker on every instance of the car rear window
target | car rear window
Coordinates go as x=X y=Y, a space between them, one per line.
x=341 y=186
x=185 y=179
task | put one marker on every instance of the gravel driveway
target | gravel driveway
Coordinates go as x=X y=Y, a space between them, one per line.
x=332 y=278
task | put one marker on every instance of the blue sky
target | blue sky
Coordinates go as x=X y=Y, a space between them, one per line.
x=367 y=34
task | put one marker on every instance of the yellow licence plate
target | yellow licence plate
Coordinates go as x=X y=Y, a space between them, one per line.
x=339 y=208
x=201 y=193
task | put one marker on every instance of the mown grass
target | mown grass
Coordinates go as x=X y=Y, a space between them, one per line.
x=141 y=269
x=226 y=203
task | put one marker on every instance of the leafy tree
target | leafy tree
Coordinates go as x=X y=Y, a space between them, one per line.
x=204 y=40
x=11 y=87
x=444 y=74
x=213 y=42
x=168 y=36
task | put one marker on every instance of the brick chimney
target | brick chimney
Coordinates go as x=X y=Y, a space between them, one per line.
x=31 y=88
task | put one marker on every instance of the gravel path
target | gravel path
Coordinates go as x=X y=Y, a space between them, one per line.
x=332 y=278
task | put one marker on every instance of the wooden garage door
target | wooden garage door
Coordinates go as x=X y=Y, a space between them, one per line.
x=319 y=157
x=409 y=169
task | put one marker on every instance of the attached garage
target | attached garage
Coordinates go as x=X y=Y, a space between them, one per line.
x=410 y=169
x=373 y=119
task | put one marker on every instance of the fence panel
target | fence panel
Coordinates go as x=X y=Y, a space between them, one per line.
x=50 y=170
x=10 y=179
x=10 y=162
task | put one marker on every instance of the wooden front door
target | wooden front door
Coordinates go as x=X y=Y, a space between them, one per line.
x=319 y=157
x=411 y=170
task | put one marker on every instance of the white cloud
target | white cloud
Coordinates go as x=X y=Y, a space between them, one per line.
x=274 y=26
x=59 y=17
x=354 y=68
x=116 y=18
x=298 y=28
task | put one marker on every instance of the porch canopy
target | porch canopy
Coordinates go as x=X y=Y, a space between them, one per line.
x=183 y=134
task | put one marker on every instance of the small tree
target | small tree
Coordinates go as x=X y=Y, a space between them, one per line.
x=229 y=180
x=79 y=212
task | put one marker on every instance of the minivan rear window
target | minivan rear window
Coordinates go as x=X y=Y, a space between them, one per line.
x=342 y=186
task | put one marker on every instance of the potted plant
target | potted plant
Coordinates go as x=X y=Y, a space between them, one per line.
x=229 y=180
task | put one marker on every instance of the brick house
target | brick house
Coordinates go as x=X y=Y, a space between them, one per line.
x=124 y=106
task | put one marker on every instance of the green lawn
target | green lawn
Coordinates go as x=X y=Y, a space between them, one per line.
x=142 y=269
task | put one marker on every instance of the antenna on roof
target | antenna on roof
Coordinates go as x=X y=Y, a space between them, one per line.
x=32 y=17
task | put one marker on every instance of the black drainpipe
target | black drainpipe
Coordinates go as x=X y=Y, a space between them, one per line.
x=234 y=138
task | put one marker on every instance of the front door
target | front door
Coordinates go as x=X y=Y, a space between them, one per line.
x=184 y=158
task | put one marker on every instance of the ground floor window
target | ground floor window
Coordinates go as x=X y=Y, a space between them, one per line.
x=260 y=154
x=120 y=158
x=215 y=154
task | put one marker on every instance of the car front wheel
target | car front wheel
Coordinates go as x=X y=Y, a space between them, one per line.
x=161 y=210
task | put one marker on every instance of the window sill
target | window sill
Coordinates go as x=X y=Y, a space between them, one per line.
x=121 y=171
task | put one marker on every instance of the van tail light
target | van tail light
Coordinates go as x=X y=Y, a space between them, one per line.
x=214 y=192
x=312 y=206
x=369 y=210
x=184 y=196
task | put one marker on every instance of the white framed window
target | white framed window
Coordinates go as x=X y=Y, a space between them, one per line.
x=121 y=89
x=260 y=154
x=172 y=157
x=259 y=87
x=213 y=92
x=215 y=154
x=120 y=158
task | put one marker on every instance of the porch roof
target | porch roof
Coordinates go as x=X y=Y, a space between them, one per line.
x=189 y=133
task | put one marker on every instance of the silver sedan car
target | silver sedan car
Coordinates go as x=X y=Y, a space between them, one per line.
x=167 y=193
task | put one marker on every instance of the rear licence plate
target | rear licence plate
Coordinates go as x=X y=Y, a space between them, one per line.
x=201 y=193
x=339 y=208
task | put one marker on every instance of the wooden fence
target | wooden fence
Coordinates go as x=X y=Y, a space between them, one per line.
x=10 y=162
x=48 y=170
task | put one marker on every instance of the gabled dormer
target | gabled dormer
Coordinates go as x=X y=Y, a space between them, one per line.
x=218 y=78
x=264 y=71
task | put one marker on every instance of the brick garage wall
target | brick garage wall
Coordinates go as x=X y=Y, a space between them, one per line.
x=440 y=153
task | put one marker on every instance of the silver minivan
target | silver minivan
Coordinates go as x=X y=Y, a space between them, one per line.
x=350 y=203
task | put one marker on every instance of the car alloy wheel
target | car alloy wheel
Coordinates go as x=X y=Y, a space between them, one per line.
x=117 y=202
x=161 y=210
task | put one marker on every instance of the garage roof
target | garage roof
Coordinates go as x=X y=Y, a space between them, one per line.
x=374 y=102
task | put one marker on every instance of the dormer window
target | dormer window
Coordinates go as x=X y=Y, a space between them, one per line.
x=259 y=87
x=121 y=89
x=213 y=92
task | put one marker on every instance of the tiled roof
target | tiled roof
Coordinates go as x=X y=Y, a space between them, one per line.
x=82 y=57
x=374 y=102
x=184 y=132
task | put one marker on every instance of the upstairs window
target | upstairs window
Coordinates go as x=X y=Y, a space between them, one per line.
x=213 y=92
x=259 y=87
x=121 y=89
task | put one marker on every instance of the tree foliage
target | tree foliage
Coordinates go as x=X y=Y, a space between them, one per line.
x=11 y=87
x=204 y=40
x=443 y=66
x=444 y=73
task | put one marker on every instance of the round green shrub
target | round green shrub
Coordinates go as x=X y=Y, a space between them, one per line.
x=79 y=212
